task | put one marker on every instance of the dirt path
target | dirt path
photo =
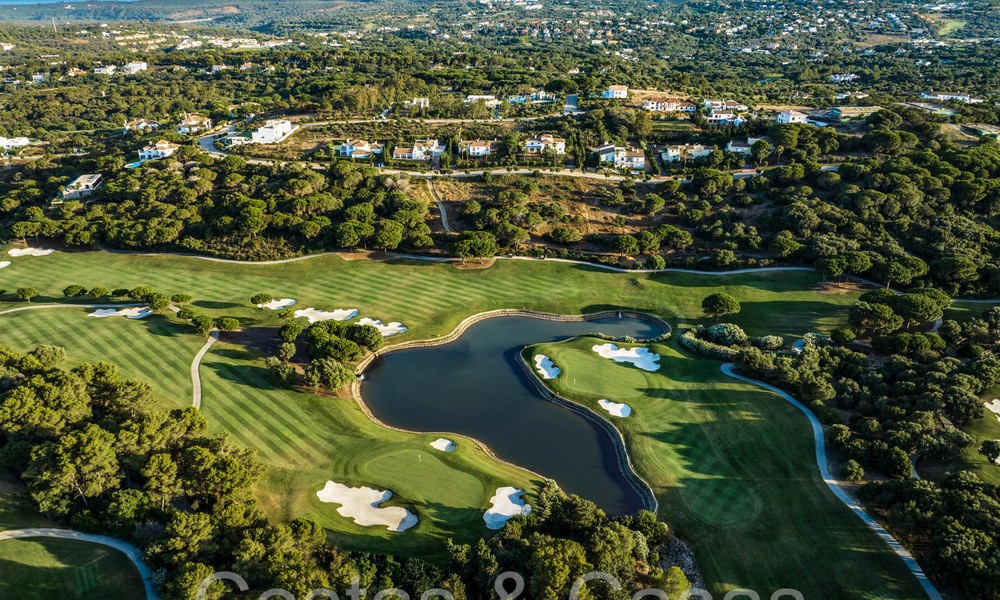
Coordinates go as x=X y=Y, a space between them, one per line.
x=196 y=363
x=440 y=205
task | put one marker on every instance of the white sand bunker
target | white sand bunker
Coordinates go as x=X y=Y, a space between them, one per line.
x=361 y=504
x=386 y=330
x=314 y=315
x=615 y=408
x=994 y=407
x=4 y=263
x=137 y=312
x=545 y=367
x=29 y=252
x=640 y=357
x=507 y=502
x=443 y=444
x=277 y=304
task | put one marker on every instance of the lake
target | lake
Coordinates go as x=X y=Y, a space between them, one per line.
x=475 y=387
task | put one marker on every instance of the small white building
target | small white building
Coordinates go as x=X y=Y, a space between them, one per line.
x=943 y=96
x=417 y=103
x=478 y=147
x=743 y=147
x=39 y=78
x=724 y=117
x=615 y=91
x=108 y=70
x=544 y=142
x=359 y=148
x=420 y=150
x=725 y=105
x=792 y=116
x=82 y=186
x=134 y=67
x=192 y=123
x=11 y=143
x=488 y=100
x=273 y=131
x=633 y=159
x=843 y=77
x=158 y=150
x=685 y=152
x=669 y=105
x=141 y=125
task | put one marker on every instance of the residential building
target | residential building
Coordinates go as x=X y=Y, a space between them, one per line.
x=842 y=77
x=544 y=142
x=192 y=123
x=685 y=152
x=959 y=96
x=11 y=143
x=478 y=147
x=82 y=186
x=488 y=100
x=108 y=70
x=417 y=103
x=724 y=117
x=850 y=113
x=273 y=131
x=359 y=148
x=73 y=72
x=725 y=105
x=605 y=152
x=854 y=95
x=633 y=159
x=136 y=66
x=669 y=105
x=792 y=116
x=744 y=147
x=615 y=91
x=158 y=150
x=39 y=78
x=421 y=150
x=141 y=125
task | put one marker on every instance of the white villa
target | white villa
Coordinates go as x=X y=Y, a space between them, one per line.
x=488 y=100
x=792 y=116
x=136 y=66
x=141 y=125
x=724 y=117
x=10 y=143
x=841 y=77
x=743 y=146
x=108 y=70
x=82 y=186
x=478 y=147
x=622 y=157
x=669 y=105
x=725 y=105
x=960 y=96
x=158 y=150
x=544 y=142
x=421 y=150
x=417 y=103
x=685 y=152
x=273 y=131
x=359 y=148
x=615 y=91
x=192 y=123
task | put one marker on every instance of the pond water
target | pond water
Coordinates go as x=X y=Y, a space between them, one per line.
x=474 y=386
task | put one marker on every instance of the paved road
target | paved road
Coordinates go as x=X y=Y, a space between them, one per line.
x=196 y=363
x=38 y=306
x=834 y=485
x=133 y=553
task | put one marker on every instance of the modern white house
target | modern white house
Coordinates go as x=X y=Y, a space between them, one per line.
x=108 y=70
x=158 y=150
x=725 y=105
x=621 y=156
x=488 y=100
x=842 y=77
x=669 y=105
x=273 y=131
x=359 y=148
x=134 y=67
x=417 y=103
x=141 y=125
x=943 y=96
x=82 y=186
x=192 y=123
x=724 y=117
x=685 y=152
x=743 y=147
x=478 y=147
x=792 y=116
x=420 y=150
x=544 y=142
x=615 y=91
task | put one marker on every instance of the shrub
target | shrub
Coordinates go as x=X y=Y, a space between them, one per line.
x=768 y=342
x=727 y=334
x=690 y=342
x=842 y=335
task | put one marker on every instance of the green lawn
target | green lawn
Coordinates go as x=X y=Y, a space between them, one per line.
x=734 y=469
x=305 y=440
x=987 y=428
x=43 y=568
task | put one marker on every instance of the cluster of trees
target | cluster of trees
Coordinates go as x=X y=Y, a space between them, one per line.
x=884 y=311
x=96 y=455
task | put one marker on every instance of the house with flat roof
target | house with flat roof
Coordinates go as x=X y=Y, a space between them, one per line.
x=944 y=96
x=273 y=131
x=615 y=91
x=82 y=186
x=850 y=113
x=157 y=150
x=669 y=105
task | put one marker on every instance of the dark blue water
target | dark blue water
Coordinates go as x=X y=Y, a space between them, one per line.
x=474 y=386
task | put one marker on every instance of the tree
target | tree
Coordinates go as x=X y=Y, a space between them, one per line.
x=896 y=464
x=181 y=298
x=991 y=450
x=119 y=293
x=26 y=293
x=290 y=331
x=80 y=465
x=555 y=566
x=720 y=304
x=202 y=324
x=877 y=317
x=74 y=291
x=829 y=267
x=259 y=300
x=98 y=292
x=227 y=323
x=625 y=244
x=162 y=482
x=139 y=294
x=286 y=351
x=475 y=244
x=760 y=150
x=916 y=308
x=331 y=373
x=852 y=471
x=158 y=302
x=655 y=262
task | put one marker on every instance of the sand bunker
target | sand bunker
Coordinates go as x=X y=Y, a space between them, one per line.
x=386 y=330
x=545 y=367
x=136 y=312
x=640 y=357
x=443 y=444
x=507 y=502
x=4 y=263
x=314 y=315
x=361 y=504
x=615 y=408
x=994 y=407
x=277 y=304
x=29 y=252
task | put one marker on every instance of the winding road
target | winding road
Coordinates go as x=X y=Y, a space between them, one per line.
x=134 y=554
x=196 y=363
x=834 y=485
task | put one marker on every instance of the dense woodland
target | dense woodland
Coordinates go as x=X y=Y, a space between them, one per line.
x=96 y=455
